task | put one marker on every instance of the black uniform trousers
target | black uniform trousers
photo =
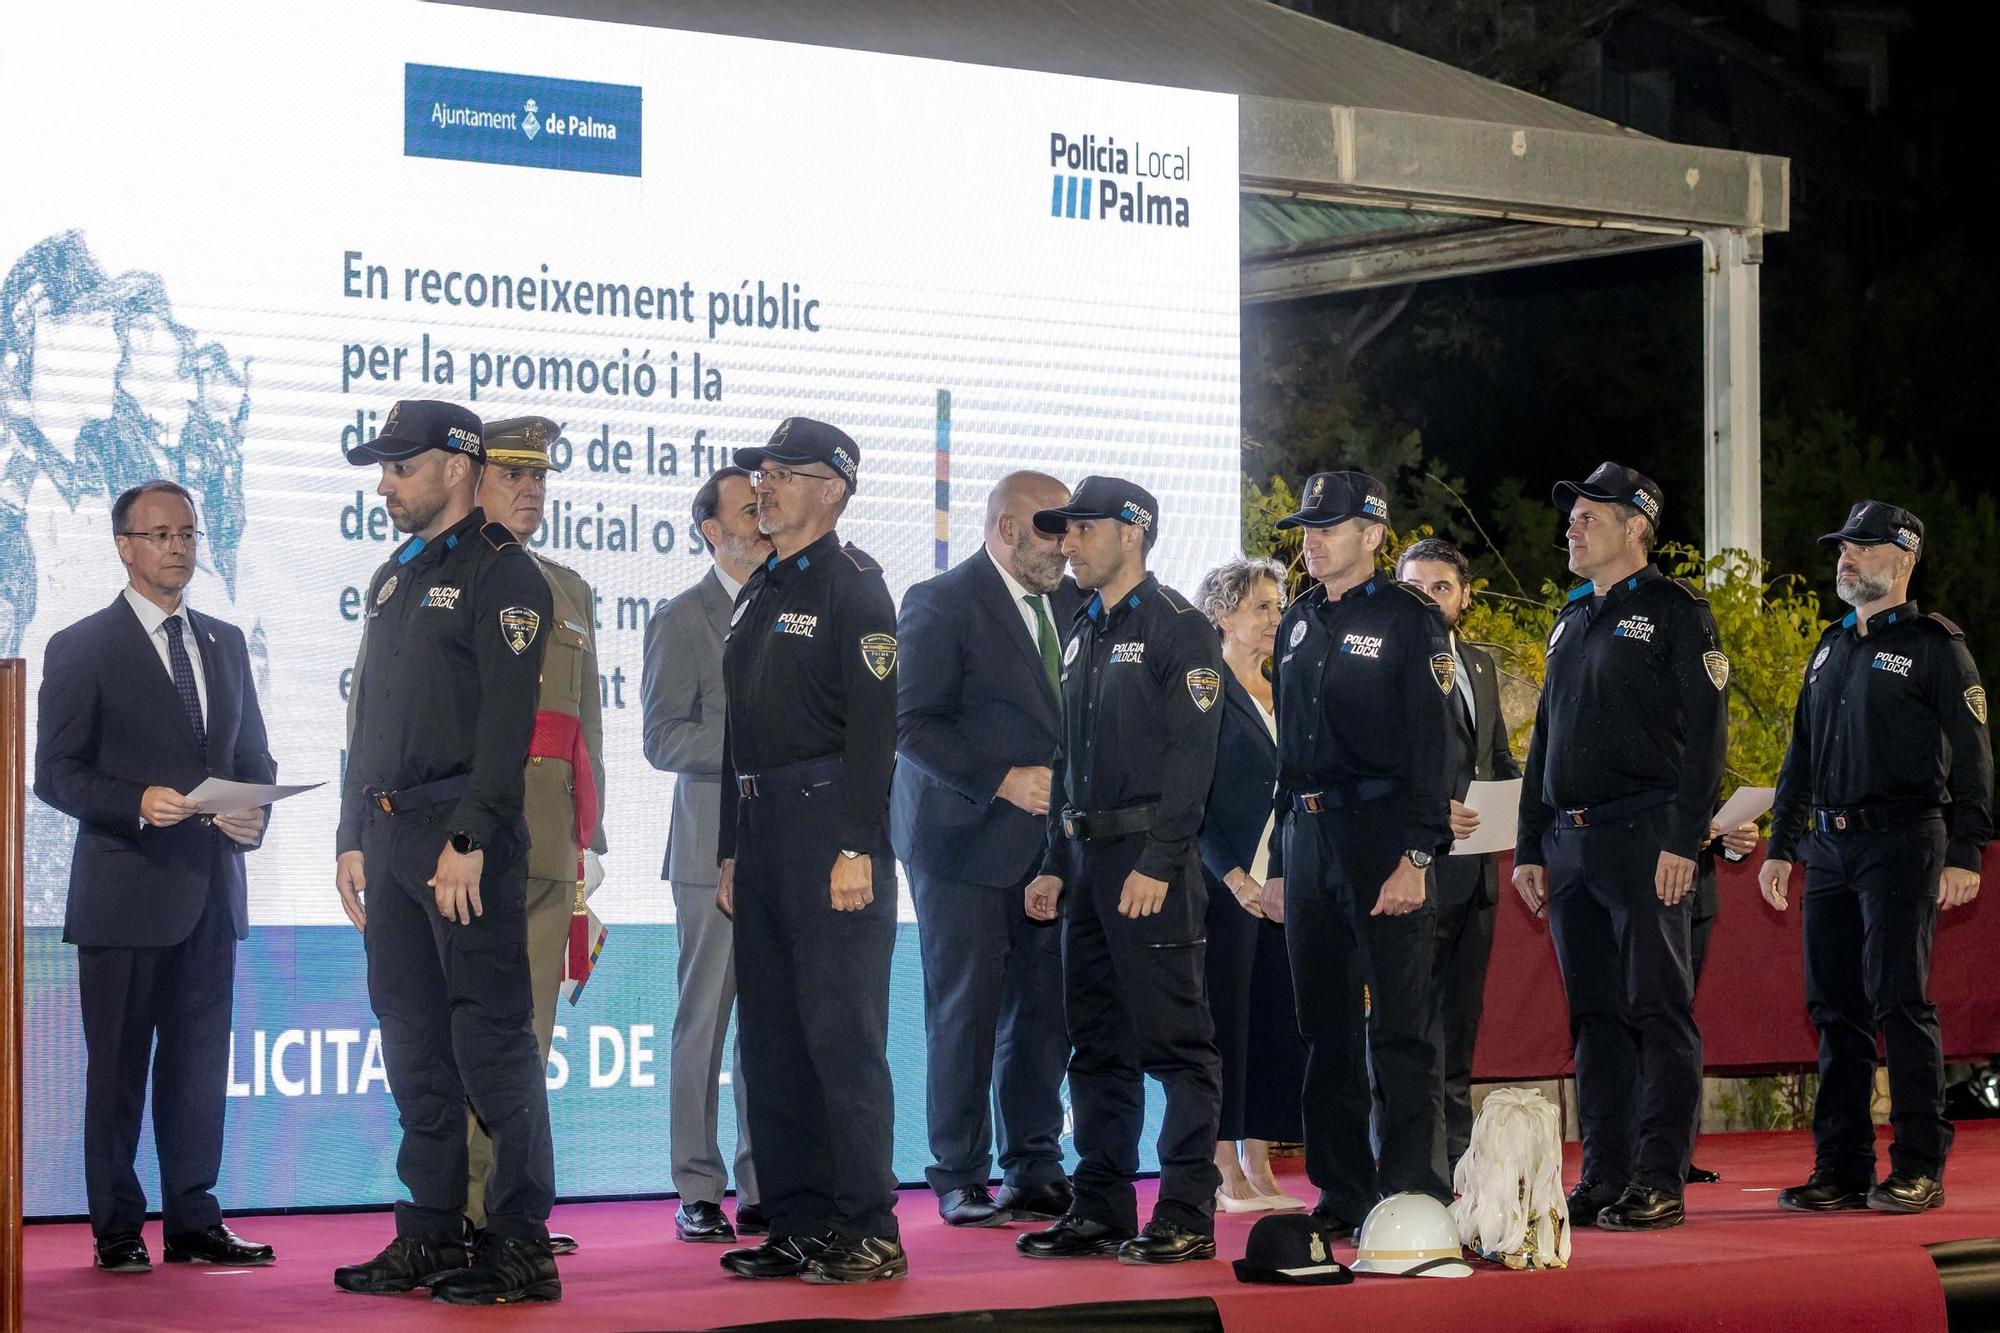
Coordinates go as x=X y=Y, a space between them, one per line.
x=1464 y=950
x=812 y=1021
x=1136 y=996
x=1629 y=979
x=994 y=1038
x=457 y=1016
x=1870 y=912
x=1335 y=864
x=182 y=994
x=1256 y=1022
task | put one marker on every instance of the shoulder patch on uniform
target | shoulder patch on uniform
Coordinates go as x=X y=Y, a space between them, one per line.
x=1975 y=699
x=1949 y=628
x=1444 y=670
x=1717 y=667
x=498 y=536
x=878 y=654
x=518 y=626
x=1204 y=685
x=862 y=560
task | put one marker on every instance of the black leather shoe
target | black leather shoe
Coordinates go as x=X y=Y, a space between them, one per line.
x=1071 y=1238
x=1333 y=1228
x=217 y=1245
x=1905 y=1193
x=703 y=1224
x=780 y=1256
x=1825 y=1192
x=971 y=1206
x=1163 y=1242
x=122 y=1252
x=1588 y=1199
x=1642 y=1208
x=507 y=1271
x=406 y=1263
x=1701 y=1175
x=1047 y=1201
x=561 y=1244
x=868 y=1259
x=750 y=1220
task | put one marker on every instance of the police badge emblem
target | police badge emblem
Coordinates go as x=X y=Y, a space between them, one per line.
x=1820 y=660
x=1444 y=670
x=387 y=591
x=518 y=626
x=1204 y=687
x=1298 y=633
x=1561 y=625
x=878 y=652
x=1975 y=699
x=1717 y=667
x=1069 y=653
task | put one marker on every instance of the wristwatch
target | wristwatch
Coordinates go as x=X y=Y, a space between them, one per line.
x=852 y=856
x=464 y=843
x=1421 y=860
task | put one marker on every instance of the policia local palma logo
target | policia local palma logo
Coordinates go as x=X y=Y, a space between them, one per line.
x=1103 y=180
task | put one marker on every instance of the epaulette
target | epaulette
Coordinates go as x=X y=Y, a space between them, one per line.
x=862 y=560
x=1177 y=602
x=1578 y=593
x=1423 y=598
x=1945 y=625
x=556 y=565
x=1687 y=587
x=498 y=536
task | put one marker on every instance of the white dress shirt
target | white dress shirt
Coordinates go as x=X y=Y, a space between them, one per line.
x=1465 y=684
x=153 y=620
x=729 y=585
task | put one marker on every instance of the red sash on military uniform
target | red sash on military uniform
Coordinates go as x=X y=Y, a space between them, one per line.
x=560 y=736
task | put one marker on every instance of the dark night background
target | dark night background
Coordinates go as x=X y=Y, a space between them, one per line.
x=1875 y=304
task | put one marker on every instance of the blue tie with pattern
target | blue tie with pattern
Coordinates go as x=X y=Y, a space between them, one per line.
x=177 y=653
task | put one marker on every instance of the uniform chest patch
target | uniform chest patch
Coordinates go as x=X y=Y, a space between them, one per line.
x=1204 y=687
x=1069 y=653
x=1298 y=634
x=1717 y=667
x=1361 y=645
x=737 y=614
x=878 y=653
x=518 y=626
x=1820 y=660
x=1895 y=662
x=1557 y=632
x=1634 y=627
x=1444 y=670
x=798 y=623
x=442 y=598
x=387 y=590
x=1128 y=652
x=1975 y=699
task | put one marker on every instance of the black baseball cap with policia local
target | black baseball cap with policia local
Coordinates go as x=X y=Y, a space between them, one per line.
x=418 y=425
x=1335 y=497
x=1104 y=497
x=1876 y=523
x=1613 y=483
x=801 y=440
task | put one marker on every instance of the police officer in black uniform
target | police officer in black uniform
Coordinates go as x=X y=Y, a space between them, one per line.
x=808 y=748
x=1363 y=680
x=432 y=832
x=1621 y=780
x=1142 y=708
x=1889 y=779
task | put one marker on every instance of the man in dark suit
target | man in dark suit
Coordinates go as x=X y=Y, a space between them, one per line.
x=978 y=716
x=139 y=703
x=1466 y=887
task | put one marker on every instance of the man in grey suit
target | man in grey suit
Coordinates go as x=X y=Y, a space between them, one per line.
x=682 y=697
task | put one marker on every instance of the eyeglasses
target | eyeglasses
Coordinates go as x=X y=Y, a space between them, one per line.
x=165 y=540
x=782 y=476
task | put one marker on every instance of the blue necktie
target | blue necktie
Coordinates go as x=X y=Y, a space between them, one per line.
x=177 y=654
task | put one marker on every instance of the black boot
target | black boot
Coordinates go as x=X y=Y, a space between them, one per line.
x=1905 y=1193
x=780 y=1256
x=406 y=1263
x=1824 y=1192
x=506 y=1271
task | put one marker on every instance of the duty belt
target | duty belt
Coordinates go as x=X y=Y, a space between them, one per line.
x=421 y=797
x=1612 y=812
x=1084 y=826
x=1344 y=797
x=1868 y=818
x=791 y=780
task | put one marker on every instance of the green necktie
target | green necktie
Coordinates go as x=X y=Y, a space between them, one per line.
x=1045 y=640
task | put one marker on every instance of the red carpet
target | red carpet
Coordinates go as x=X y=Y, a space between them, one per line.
x=1739 y=1264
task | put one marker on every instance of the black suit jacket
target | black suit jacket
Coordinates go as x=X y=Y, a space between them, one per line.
x=973 y=700
x=109 y=724
x=1479 y=754
x=1246 y=775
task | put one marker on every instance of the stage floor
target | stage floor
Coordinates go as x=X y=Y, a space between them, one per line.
x=1739 y=1264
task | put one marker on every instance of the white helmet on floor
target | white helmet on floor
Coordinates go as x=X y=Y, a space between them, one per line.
x=1410 y=1235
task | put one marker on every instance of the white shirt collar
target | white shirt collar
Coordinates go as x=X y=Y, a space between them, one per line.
x=152 y=617
x=1014 y=588
x=729 y=585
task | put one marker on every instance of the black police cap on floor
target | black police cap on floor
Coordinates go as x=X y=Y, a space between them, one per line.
x=1291 y=1248
x=1104 y=497
x=1876 y=522
x=1613 y=483
x=801 y=440
x=418 y=425
x=1335 y=497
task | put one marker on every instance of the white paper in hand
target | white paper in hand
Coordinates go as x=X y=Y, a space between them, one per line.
x=1499 y=808
x=220 y=796
x=1745 y=805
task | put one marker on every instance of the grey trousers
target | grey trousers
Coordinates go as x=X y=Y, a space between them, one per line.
x=707 y=977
